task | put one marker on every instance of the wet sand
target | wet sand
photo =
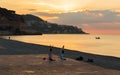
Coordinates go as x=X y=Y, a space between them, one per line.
x=19 y=58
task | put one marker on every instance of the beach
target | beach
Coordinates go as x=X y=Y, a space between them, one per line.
x=20 y=58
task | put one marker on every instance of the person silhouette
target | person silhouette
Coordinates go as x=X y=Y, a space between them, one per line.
x=62 y=53
x=50 y=54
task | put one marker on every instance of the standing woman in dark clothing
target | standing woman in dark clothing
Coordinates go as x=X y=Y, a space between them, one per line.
x=62 y=53
x=50 y=54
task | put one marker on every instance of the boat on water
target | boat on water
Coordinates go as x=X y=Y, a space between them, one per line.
x=97 y=37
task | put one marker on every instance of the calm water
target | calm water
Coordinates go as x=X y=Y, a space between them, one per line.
x=107 y=45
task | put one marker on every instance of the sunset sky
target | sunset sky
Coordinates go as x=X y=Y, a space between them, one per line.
x=93 y=16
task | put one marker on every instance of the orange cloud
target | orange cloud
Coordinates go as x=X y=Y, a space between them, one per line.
x=73 y=12
x=59 y=6
x=48 y=18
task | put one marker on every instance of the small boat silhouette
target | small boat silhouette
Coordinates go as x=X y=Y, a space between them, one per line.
x=97 y=37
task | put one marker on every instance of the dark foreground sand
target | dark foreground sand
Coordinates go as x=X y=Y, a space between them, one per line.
x=18 y=58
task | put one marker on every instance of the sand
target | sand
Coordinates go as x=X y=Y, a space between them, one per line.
x=19 y=58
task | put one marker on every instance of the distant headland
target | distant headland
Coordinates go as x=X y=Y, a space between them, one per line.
x=15 y=24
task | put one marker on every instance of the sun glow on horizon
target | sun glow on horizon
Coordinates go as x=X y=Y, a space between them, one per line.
x=74 y=12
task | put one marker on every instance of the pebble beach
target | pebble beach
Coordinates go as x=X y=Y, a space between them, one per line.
x=20 y=58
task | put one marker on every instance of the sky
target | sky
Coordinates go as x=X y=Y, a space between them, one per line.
x=93 y=16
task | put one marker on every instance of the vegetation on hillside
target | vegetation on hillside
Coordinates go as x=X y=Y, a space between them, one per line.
x=14 y=24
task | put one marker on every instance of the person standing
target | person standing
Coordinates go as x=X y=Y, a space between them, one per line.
x=62 y=53
x=50 y=54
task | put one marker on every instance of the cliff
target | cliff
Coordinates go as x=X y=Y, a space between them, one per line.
x=15 y=24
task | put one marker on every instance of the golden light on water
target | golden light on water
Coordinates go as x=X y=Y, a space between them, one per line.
x=84 y=43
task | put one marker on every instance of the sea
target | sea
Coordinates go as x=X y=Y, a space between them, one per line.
x=107 y=44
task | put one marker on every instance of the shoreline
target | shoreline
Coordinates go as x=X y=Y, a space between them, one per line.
x=17 y=48
x=68 y=53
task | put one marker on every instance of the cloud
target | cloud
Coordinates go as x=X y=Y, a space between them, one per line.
x=96 y=16
x=76 y=18
x=33 y=10
x=48 y=18
x=89 y=19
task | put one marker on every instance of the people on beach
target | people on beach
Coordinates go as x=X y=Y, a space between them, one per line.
x=90 y=60
x=62 y=53
x=79 y=58
x=50 y=54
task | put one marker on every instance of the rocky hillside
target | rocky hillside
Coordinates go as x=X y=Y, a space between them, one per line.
x=14 y=24
x=10 y=22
